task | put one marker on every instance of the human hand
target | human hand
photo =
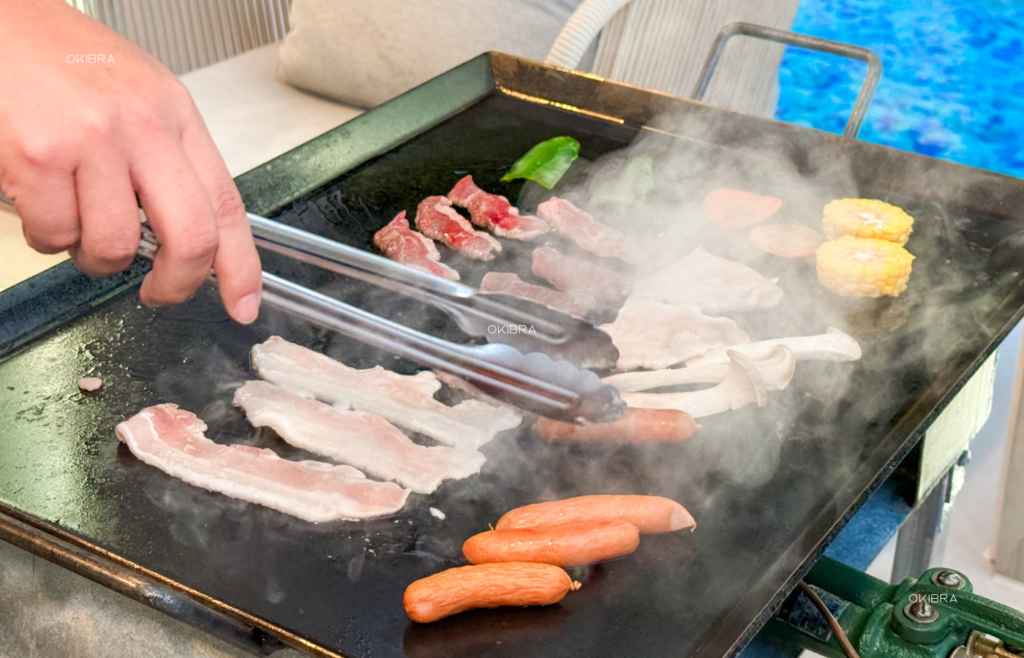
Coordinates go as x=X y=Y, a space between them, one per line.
x=79 y=141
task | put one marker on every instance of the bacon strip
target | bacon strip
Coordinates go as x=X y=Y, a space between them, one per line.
x=573 y=303
x=402 y=244
x=495 y=212
x=435 y=218
x=405 y=400
x=581 y=227
x=363 y=440
x=578 y=276
x=172 y=440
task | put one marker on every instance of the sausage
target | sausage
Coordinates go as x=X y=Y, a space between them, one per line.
x=786 y=240
x=485 y=586
x=728 y=208
x=634 y=426
x=568 y=545
x=650 y=514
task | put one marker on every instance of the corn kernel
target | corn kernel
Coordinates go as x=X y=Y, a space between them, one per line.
x=867 y=218
x=863 y=267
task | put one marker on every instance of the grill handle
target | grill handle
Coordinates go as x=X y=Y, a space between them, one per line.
x=210 y=615
x=867 y=89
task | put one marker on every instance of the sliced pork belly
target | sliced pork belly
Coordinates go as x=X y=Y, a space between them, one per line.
x=358 y=438
x=405 y=400
x=402 y=244
x=435 y=218
x=573 y=303
x=495 y=212
x=715 y=285
x=581 y=227
x=655 y=335
x=578 y=276
x=172 y=440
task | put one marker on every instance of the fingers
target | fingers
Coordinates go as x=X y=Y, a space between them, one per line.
x=237 y=264
x=109 y=216
x=179 y=211
x=85 y=204
x=48 y=209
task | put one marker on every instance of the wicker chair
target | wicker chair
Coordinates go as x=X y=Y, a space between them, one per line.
x=662 y=44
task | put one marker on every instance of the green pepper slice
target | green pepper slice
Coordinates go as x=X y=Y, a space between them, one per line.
x=546 y=162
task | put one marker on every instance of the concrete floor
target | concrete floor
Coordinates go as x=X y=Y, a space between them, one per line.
x=48 y=612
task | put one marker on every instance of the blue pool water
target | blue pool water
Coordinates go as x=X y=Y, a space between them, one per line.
x=953 y=80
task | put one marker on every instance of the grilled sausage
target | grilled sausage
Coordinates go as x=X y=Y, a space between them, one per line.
x=635 y=425
x=728 y=208
x=786 y=240
x=569 y=545
x=650 y=514
x=485 y=586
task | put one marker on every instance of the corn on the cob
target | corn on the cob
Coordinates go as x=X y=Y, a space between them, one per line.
x=863 y=267
x=867 y=218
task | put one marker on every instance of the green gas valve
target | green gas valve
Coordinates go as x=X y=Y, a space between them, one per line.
x=935 y=616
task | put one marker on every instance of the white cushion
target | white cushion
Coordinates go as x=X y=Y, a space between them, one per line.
x=364 y=52
x=254 y=117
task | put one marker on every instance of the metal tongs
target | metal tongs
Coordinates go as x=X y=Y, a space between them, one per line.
x=521 y=323
x=533 y=381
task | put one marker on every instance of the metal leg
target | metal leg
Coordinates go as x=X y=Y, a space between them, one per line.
x=921 y=541
x=1008 y=546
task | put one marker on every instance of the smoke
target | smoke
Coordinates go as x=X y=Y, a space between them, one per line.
x=653 y=191
x=831 y=412
x=658 y=204
x=763 y=482
x=755 y=478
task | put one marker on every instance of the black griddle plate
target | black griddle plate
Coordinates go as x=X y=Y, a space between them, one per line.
x=769 y=487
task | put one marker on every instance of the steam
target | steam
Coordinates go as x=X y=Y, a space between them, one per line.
x=747 y=471
x=914 y=337
x=653 y=192
x=667 y=221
